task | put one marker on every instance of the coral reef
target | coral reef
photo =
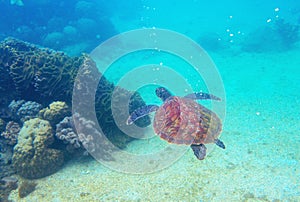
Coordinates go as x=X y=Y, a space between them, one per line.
x=33 y=157
x=288 y=33
x=11 y=133
x=278 y=36
x=26 y=188
x=55 y=112
x=43 y=76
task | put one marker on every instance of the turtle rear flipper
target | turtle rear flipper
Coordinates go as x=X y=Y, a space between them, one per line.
x=199 y=150
x=220 y=143
x=140 y=112
x=202 y=96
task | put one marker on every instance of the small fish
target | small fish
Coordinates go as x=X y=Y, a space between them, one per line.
x=17 y=2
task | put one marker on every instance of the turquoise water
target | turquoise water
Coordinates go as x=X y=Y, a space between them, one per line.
x=255 y=48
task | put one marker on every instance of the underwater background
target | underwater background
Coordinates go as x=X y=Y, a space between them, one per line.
x=255 y=46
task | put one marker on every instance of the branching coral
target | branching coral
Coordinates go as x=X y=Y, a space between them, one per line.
x=66 y=132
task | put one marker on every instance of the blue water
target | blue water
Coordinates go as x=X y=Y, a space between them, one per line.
x=254 y=47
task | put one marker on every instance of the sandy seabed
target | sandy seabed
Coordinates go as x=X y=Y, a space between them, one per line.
x=260 y=162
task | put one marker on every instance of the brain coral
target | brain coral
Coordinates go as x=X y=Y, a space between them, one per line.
x=33 y=73
x=33 y=158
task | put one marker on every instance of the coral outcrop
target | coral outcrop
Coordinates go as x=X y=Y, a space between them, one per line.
x=33 y=156
x=55 y=112
x=23 y=111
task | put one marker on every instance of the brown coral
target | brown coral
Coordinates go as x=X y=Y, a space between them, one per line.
x=33 y=157
x=55 y=112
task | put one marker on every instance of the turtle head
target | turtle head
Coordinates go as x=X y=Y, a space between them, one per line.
x=163 y=93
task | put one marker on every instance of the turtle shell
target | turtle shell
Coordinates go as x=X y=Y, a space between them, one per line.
x=184 y=121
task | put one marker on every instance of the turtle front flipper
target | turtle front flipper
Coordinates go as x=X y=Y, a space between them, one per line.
x=202 y=96
x=140 y=112
x=219 y=143
x=199 y=150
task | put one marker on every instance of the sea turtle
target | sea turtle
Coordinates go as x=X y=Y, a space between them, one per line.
x=181 y=120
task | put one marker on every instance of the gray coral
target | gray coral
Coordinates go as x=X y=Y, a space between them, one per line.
x=65 y=131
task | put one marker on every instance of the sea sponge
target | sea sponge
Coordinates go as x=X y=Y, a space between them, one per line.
x=33 y=158
x=55 y=112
